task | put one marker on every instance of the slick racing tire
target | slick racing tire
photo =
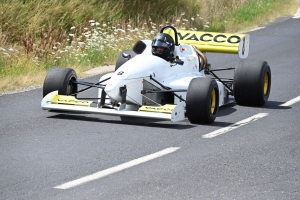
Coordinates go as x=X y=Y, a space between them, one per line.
x=202 y=101
x=60 y=78
x=252 y=83
x=124 y=57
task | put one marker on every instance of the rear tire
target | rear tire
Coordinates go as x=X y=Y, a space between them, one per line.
x=60 y=78
x=121 y=59
x=252 y=83
x=202 y=101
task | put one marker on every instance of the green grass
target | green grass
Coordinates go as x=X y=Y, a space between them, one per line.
x=252 y=13
x=38 y=34
x=252 y=10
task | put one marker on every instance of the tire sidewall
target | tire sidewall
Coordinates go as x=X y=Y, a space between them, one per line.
x=198 y=100
x=248 y=83
x=60 y=78
x=68 y=87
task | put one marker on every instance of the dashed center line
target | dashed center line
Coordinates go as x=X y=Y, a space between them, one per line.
x=291 y=102
x=235 y=126
x=246 y=121
x=147 y=158
x=115 y=169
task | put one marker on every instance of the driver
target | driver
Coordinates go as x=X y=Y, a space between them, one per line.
x=163 y=46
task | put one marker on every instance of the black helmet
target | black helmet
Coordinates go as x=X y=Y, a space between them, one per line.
x=166 y=42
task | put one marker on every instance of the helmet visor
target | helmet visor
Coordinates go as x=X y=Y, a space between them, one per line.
x=159 y=43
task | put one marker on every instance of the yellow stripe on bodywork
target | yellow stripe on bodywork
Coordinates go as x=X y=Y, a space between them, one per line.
x=168 y=108
x=70 y=100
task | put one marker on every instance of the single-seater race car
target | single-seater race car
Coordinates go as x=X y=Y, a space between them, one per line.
x=146 y=86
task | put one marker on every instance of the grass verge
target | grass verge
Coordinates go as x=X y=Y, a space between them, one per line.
x=37 y=34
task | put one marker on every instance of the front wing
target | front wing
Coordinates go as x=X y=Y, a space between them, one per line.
x=68 y=103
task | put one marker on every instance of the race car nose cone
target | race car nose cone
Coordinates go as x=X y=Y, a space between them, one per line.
x=112 y=89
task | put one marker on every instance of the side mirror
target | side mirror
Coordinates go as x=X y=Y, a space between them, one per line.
x=126 y=55
x=139 y=47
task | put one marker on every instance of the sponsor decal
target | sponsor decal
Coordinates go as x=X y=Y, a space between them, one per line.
x=70 y=100
x=168 y=108
x=182 y=49
x=208 y=37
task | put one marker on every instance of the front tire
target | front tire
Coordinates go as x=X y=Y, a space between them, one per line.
x=202 y=101
x=61 y=79
x=252 y=83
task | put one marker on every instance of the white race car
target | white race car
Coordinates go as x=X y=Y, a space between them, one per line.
x=147 y=86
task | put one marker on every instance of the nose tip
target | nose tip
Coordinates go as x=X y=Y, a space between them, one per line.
x=112 y=89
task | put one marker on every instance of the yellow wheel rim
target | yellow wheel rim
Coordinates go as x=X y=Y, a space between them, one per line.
x=266 y=83
x=213 y=101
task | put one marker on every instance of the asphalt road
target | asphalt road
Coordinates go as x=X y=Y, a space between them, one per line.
x=41 y=150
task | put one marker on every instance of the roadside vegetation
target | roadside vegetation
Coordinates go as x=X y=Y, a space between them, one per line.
x=38 y=34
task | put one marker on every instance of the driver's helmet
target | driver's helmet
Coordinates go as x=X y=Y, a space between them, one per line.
x=163 y=46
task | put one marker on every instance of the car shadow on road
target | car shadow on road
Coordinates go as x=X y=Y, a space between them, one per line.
x=276 y=105
x=272 y=105
x=125 y=121
x=223 y=111
x=226 y=110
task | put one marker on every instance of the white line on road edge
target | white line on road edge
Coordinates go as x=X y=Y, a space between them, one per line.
x=115 y=169
x=297 y=15
x=291 y=102
x=234 y=126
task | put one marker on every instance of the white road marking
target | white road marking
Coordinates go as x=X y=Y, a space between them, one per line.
x=147 y=158
x=297 y=15
x=255 y=29
x=115 y=169
x=235 y=126
x=291 y=102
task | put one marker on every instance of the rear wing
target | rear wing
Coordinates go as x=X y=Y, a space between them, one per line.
x=214 y=42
